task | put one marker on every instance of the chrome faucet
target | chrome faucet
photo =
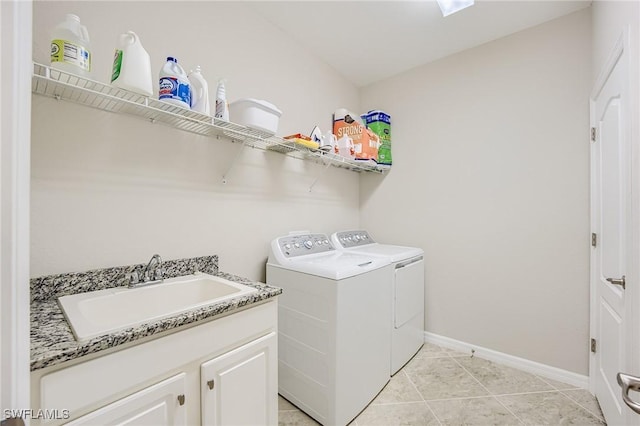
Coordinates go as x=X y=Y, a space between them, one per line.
x=152 y=274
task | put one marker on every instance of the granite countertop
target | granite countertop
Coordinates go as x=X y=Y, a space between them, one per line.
x=52 y=341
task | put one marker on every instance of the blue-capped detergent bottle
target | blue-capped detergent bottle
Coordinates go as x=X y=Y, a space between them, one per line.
x=174 y=84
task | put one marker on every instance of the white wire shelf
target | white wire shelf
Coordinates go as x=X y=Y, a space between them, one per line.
x=60 y=85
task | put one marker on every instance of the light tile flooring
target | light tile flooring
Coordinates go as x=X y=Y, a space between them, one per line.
x=443 y=387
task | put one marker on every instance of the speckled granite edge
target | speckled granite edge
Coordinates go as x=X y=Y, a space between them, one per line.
x=52 y=341
x=53 y=286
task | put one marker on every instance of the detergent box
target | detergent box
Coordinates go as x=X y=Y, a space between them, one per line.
x=365 y=142
x=379 y=123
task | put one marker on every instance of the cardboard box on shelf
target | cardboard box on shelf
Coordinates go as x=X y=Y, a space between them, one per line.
x=366 y=142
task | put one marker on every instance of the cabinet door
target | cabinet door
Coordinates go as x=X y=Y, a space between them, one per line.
x=241 y=386
x=408 y=292
x=158 y=405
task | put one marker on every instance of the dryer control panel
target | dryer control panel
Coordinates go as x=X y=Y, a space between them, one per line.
x=299 y=245
x=354 y=238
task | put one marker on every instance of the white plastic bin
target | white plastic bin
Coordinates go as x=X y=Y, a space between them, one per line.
x=255 y=113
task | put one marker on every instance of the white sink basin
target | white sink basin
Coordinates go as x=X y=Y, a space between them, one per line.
x=104 y=311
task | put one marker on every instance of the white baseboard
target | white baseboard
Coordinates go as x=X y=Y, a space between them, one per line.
x=543 y=370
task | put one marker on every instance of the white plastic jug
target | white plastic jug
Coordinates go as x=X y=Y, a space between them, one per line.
x=328 y=141
x=132 y=65
x=199 y=92
x=174 y=84
x=345 y=147
x=70 y=47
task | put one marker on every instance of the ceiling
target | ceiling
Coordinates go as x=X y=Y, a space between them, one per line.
x=367 y=41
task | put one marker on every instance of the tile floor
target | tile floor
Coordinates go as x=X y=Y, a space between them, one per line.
x=444 y=387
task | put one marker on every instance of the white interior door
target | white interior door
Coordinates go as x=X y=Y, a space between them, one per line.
x=611 y=260
x=15 y=133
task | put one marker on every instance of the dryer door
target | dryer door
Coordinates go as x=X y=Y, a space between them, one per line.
x=409 y=290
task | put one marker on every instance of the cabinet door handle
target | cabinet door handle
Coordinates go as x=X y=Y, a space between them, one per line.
x=618 y=281
x=210 y=383
x=181 y=399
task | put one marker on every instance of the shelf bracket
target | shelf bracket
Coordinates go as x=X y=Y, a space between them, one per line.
x=326 y=166
x=233 y=162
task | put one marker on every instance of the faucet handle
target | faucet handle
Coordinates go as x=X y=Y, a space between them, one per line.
x=133 y=277
x=159 y=273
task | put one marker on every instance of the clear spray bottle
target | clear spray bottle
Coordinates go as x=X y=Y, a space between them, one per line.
x=222 y=107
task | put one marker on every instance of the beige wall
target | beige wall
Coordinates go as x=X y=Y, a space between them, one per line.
x=609 y=19
x=491 y=178
x=110 y=190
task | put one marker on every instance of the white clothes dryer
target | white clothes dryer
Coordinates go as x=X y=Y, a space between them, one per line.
x=334 y=337
x=407 y=331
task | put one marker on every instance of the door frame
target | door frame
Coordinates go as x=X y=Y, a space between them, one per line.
x=16 y=68
x=632 y=292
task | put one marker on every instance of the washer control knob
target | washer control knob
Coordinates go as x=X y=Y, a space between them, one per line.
x=308 y=244
x=287 y=246
x=318 y=242
x=296 y=245
x=325 y=242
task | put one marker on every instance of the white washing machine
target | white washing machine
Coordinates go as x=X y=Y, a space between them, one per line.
x=334 y=337
x=407 y=331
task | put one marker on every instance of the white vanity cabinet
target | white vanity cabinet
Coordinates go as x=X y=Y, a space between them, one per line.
x=237 y=387
x=219 y=372
x=157 y=405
